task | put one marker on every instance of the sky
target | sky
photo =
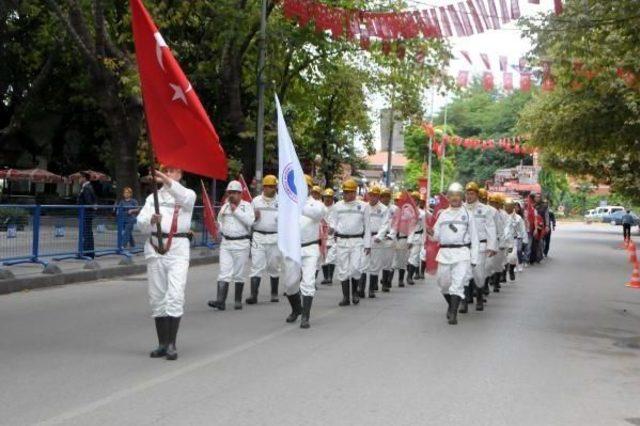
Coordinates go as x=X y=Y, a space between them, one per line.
x=495 y=43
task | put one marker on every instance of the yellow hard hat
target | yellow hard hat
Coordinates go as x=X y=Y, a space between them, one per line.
x=317 y=189
x=483 y=194
x=269 y=180
x=397 y=196
x=415 y=195
x=385 y=191
x=328 y=193
x=509 y=201
x=375 y=190
x=309 y=180
x=472 y=186
x=349 y=185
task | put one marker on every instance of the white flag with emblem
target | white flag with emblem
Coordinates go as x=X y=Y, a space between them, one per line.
x=292 y=193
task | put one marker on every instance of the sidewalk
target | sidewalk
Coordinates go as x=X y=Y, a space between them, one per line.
x=30 y=276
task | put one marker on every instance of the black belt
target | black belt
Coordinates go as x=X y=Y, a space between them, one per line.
x=455 y=245
x=483 y=241
x=373 y=234
x=242 y=237
x=310 y=243
x=188 y=235
x=350 y=236
x=265 y=232
x=402 y=238
x=418 y=232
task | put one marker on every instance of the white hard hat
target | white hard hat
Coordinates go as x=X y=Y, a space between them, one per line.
x=455 y=187
x=234 y=185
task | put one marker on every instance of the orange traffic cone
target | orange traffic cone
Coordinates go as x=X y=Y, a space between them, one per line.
x=635 y=277
x=624 y=244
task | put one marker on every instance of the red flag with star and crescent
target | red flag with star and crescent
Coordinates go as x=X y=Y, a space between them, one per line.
x=181 y=133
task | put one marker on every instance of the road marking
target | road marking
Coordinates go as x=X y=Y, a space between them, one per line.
x=76 y=412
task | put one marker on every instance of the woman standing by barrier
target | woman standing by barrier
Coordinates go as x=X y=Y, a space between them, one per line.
x=130 y=209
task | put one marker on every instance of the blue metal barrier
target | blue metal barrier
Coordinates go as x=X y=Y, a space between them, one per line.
x=33 y=233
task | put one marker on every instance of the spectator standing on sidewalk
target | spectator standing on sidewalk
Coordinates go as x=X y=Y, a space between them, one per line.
x=128 y=207
x=88 y=199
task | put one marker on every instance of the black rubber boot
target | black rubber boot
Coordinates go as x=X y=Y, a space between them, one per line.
x=362 y=284
x=503 y=275
x=422 y=268
x=296 y=307
x=373 y=286
x=486 y=289
x=464 y=305
x=162 y=330
x=238 y=296
x=471 y=292
x=355 y=283
x=325 y=275
x=455 y=302
x=479 y=299
x=255 y=286
x=447 y=297
x=400 y=277
x=221 y=298
x=306 y=311
x=410 y=271
x=172 y=352
x=392 y=272
x=274 y=289
x=386 y=276
x=345 y=294
x=512 y=272
x=332 y=269
x=495 y=282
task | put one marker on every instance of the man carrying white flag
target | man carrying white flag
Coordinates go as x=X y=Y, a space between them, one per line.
x=300 y=245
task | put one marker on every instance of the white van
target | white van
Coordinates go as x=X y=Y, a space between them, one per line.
x=601 y=212
x=589 y=217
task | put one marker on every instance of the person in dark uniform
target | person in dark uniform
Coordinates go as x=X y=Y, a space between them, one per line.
x=552 y=227
x=87 y=198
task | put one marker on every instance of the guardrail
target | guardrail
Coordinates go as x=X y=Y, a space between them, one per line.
x=36 y=233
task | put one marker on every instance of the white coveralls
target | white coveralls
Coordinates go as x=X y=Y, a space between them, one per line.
x=302 y=277
x=486 y=228
x=496 y=263
x=416 y=240
x=378 y=218
x=387 y=243
x=330 y=258
x=400 y=246
x=235 y=226
x=456 y=232
x=265 y=255
x=514 y=234
x=167 y=273
x=352 y=232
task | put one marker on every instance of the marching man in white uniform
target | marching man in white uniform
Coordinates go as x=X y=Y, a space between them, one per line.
x=378 y=219
x=498 y=261
x=302 y=279
x=401 y=247
x=167 y=269
x=350 y=223
x=386 y=242
x=234 y=222
x=329 y=264
x=515 y=234
x=265 y=255
x=486 y=227
x=415 y=240
x=456 y=232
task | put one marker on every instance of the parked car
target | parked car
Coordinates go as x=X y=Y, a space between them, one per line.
x=605 y=212
x=616 y=218
x=589 y=217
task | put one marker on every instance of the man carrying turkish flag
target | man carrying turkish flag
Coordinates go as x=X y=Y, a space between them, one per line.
x=183 y=139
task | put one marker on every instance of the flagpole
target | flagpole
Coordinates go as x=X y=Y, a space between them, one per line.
x=433 y=94
x=444 y=150
x=156 y=202
x=261 y=84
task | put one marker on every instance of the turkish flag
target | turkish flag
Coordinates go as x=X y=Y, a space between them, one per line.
x=246 y=194
x=180 y=130
x=431 y=246
x=525 y=82
x=209 y=215
x=406 y=215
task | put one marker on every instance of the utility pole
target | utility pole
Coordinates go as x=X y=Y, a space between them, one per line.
x=444 y=150
x=261 y=87
x=433 y=94
x=389 y=146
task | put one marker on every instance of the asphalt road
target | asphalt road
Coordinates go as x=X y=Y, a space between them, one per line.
x=559 y=347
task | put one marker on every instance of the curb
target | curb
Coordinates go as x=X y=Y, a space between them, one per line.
x=31 y=283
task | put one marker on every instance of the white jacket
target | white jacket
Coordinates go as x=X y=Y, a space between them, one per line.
x=351 y=219
x=455 y=226
x=265 y=229
x=312 y=213
x=485 y=225
x=236 y=223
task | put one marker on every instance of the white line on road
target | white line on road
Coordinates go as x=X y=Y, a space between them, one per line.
x=76 y=412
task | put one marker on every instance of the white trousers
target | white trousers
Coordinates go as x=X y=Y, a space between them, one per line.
x=479 y=272
x=376 y=259
x=388 y=253
x=451 y=277
x=414 y=254
x=167 y=276
x=330 y=258
x=496 y=263
x=232 y=264
x=265 y=258
x=301 y=278
x=349 y=261
x=401 y=254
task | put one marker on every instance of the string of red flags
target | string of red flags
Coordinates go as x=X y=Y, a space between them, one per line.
x=513 y=145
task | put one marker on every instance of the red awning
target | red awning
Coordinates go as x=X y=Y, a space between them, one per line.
x=523 y=187
x=33 y=175
x=94 y=176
